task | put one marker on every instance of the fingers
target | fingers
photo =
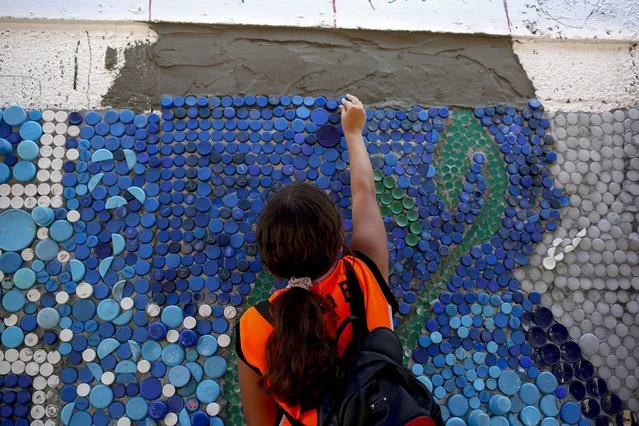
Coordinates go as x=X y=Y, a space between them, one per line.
x=354 y=99
x=342 y=109
x=347 y=104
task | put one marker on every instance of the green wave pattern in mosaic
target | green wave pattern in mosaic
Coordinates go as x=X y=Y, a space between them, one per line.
x=462 y=138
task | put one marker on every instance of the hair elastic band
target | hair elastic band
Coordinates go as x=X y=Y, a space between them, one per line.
x=303 y=282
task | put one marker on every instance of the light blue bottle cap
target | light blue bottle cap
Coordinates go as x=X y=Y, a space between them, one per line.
x=12 y=220
x=24 y=278
x=28 y=150
x=172 y=316
x=12 y=337
x=207 y=345
x=513 y=420
x=499 y=404
x=31 y=130
x=179 y=376
x=5 y=147
x=24 y=171
x=14 y=115
x=137 y=408
x=455 y=421
x=457 y=405
x=48 y=318
x=549 y=405
x=101 y=396
x=215 y=367
x=151 y=350
x=546 y=382
x=207 y=391
x=13 y=301
x=61 y=231
x=529 y=394
x=509 y=382
x=43 y=215
x=108 y=310
x=530 y=416
x=47 y=250
x=197 y=372
x=498 y=421
x=172 y=355
x=478 y=418
x=549 y=421
x=5 y=173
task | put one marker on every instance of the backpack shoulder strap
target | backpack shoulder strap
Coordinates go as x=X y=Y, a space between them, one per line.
x=264 y=309
x=356 y=302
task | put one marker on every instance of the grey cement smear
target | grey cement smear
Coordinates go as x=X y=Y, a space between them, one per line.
x=395 y=68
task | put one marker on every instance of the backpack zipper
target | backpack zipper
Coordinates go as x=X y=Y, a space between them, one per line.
x=375 y=404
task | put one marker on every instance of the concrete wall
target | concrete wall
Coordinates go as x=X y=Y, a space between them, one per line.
x=587 y=19
x=82 y=65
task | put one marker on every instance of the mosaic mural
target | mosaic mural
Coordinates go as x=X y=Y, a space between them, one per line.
x=128 y=253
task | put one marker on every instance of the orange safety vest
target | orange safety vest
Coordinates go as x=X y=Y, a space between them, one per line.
x=253 y=330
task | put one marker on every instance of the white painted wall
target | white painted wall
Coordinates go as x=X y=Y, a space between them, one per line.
x=581 y=76
x=575 y=19
x=62 y=65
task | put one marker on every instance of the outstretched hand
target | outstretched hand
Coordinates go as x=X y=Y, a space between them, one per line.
x=353 y=115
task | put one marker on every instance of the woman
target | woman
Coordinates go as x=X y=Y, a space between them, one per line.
x=284 y=369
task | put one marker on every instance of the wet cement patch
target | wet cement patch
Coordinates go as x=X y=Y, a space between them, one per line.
x=394 y=68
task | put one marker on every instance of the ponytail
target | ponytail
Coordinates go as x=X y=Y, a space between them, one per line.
x=301 y=353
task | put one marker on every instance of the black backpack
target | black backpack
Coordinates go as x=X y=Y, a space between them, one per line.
x=377 y=388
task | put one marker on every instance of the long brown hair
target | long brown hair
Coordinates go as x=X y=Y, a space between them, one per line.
x=300 y=234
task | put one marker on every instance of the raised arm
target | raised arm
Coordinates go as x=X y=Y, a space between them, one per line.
x=369 y=234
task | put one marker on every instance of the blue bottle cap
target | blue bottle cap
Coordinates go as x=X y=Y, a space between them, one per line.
x=101 y=396
x=28 y=150
x=12 y=337
x=108 y=309
x=24 y=171
x=48 y=318
x=5 y=173
x=61 y=231
x=215 y=367
x=208 y=391
x=13 y=301
x=570 y=413
x=12 y=220
x=546 y=382
x=207 y=345
x=509 y=382
x=530 y=416
x=24 y=278
x=14 y=115
x=172 y=316
x=179 y=376
x=43 y=215
x=137 y=408
x=47 y=250
x=457 y=405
